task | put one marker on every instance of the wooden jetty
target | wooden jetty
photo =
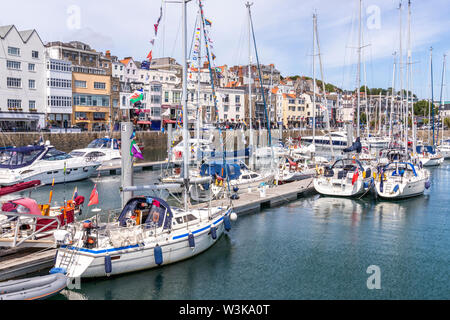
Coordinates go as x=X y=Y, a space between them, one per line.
x=255 y=201
x=25 y=261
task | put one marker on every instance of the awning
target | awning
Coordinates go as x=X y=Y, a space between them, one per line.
x=144 y=122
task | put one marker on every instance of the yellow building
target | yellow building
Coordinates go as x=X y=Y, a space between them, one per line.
x=294 y=110
x=91 y=100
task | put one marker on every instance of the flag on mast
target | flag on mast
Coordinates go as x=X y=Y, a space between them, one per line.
x=93 y=198
x=135 y=151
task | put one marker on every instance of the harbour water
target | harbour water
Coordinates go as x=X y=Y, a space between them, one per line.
x=313 y=248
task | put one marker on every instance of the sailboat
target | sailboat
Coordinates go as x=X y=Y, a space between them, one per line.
x=429 y=155
x=347 y=177
x=148 y=231
x=402 y=178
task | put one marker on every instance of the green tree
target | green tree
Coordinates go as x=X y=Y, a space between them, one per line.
x=421 y=108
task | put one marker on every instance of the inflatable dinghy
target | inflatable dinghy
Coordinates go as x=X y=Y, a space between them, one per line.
x=36 y=288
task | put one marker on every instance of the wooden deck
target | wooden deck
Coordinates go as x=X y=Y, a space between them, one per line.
x=24 y=262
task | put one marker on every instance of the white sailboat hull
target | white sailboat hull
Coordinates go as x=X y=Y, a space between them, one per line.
x=91 y=263
x=340 y=188
x=405 y=190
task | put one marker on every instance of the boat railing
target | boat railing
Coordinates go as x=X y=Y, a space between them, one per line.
x=14 y=237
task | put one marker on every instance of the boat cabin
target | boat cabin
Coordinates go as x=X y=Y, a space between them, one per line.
x=149 y=211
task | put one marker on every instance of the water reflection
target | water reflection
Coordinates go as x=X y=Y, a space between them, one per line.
x=325 y=207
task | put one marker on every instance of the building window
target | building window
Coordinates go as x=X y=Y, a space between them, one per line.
x=115 y=103
x=115 y=87
x=155 y=99
x=14 y=104
x=166 y=96
x=59 y=83
x=90 y=100
x=32 y=105
x=35 y=54
x=80 y=116
x=80 y=84
x=12 y=51
x=59 y=101
x=31 y=84
x=99 y=85
x=14 y=65
x=31 y=67
x=99 y=116
x=14 y=82
x=237 y=99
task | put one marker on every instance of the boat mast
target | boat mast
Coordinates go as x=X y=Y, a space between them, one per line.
x=392 y=99
x=314 y=82
x=402 y=119
x=359 y=70
x=410 y=101
x=379 y=115
x=441 y=105
x=323 y=87
x=199 y=57
x=432 y=91
x=408 y=85
x=184 y=105
x=250 y=117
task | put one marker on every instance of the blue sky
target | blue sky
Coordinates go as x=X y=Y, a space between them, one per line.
x=283 y=31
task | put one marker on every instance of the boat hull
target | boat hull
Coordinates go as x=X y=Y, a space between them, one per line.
x=91 y=263
x=340 y=188
x=407 y=190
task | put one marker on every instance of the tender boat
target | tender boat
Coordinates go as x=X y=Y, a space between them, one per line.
x=104 y=150
x=44 y=163
x=399 y=180
x=148 y=233
x=36 y=288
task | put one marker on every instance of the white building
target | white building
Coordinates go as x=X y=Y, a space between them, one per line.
x=22 y=80
x=59 y=92
x=230 y=104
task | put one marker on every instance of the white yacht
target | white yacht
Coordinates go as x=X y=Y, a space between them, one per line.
x=338 y=138
x=345 y=178
x=44 y=163
x=399 y=180
x=104 y=150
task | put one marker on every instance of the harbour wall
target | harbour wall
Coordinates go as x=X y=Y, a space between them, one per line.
x=154 y=143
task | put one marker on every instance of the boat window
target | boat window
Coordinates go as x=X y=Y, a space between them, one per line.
x=95 y=154
x=253 y=175
x=189 y=217
x=246 y=177
x=77 y=153
x=179 y=220
x=100 y=143
x=54 y=154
